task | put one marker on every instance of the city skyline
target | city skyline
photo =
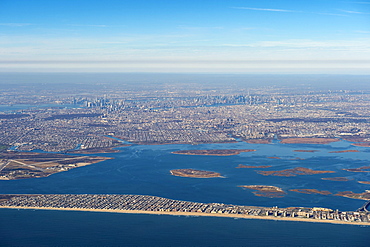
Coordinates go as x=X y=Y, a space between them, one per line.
x=185 y=36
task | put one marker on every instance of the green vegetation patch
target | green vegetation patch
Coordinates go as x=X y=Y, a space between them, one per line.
x=4 y=147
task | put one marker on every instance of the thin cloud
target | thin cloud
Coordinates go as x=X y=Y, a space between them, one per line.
x=308 y=44
x=186 y=61
x=15 y=24
x=351 y=12
x=82 y=25
x=262 y=9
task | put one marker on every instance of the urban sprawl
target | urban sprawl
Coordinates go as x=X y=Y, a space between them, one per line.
x=178 y=114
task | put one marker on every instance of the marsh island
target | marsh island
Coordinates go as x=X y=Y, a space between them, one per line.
x=214 y=152
x=265 y=190
x=293 y=172
x=192 y=173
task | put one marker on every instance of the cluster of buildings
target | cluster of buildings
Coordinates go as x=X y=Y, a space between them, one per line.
x=183 y=116
x=37 y=130
x=159 y=204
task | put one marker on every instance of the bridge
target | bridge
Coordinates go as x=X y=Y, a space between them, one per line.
x=364 y=207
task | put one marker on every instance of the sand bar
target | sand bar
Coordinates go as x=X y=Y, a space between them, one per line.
x=339 y=179
x=364 y=182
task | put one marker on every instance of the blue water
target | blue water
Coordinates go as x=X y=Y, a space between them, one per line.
x=144 y=169
x=57 y=228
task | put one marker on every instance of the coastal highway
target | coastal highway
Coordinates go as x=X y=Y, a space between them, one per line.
x=364 y=208
x=3 y=164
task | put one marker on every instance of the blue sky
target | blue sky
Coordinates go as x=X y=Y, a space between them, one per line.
x=230 y=36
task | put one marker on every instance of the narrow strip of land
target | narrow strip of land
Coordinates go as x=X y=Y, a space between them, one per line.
x=141 y=204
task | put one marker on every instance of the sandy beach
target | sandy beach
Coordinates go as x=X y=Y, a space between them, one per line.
x=195 y=214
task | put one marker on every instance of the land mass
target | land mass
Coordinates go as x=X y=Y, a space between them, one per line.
x=309 y=140
x=192 y=173
x=142 y=204
x=355 y=138
x=342 y=179
x=364 y=144
x=265 y=190
x=3 y=147
x=361 y=196
x=258 y=141
x=293 y=172
x=311 y=191
x=214 y=152
x=246 y=166
x=18 y=165
x=360 y=169
x=364 y=182
x=345 y=151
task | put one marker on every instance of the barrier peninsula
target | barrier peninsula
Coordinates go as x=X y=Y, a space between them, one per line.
x=142 y=204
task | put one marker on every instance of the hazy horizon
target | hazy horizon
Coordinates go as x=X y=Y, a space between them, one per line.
x=236 y=36
x=221 y=80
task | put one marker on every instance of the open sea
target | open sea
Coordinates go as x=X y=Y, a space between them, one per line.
x=145 y=170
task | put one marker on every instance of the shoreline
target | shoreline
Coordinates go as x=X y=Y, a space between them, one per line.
x=195 y=214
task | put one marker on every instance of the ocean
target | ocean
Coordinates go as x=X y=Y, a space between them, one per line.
x=60 y=228
x=145 y=170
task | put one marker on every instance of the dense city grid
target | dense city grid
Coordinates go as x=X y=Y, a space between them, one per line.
x=177 y=114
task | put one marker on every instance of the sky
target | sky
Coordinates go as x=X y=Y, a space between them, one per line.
x=180 y=36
